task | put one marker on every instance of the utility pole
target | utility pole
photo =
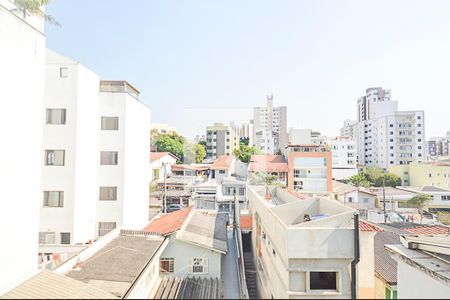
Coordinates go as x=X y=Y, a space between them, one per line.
x=165 y=188
x=384 y=200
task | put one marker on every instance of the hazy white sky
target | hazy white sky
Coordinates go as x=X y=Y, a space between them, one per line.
x=316 y=57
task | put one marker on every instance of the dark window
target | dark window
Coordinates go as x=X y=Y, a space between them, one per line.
x=65 y=237
x=323 y=281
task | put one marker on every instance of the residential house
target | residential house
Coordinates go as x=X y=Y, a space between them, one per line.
x=161 y=163
x=423 y=267
x=178 y=190
x=355 y=197
x=22 y=61
x=197 y=243
x=440 y=197
x=198 y=170
x=222 y=167
x=435 y=174
x=289 y=262
x=269 y=165
x=397 y=206
x=309 y=169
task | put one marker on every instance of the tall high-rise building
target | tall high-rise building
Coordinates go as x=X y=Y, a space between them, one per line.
x=246 y=131
x=386 y=136
x=270 y=127
x=22 y=57
x=221 y=139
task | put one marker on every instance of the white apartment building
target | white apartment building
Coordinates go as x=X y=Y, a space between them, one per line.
x=349 y=128
x=246 y=130
x=221 y=139
x=386 y=136
x=344 y=158
x=22 y=57
x=96 y=165
x=305 y=137
x=270 y=126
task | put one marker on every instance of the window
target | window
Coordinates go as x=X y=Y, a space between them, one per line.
x=323 y=280
x=63 y=72
x=53 y=199
x=199 y=265
x=350 y=199
x=108 y=193
x=166 y=265
x=56 y=116
x=54 y=157
x=110 y=123
x=241 y=191
x=445 y=197
x=105 y=227
x=221 y=171
x=65 y=237
x=46 y=238
x=109 y=157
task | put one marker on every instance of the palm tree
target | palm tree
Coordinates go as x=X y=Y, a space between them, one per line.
x=419 y=202
x=33 y=7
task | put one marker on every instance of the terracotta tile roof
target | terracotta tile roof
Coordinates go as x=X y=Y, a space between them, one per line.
x=168 y=223
x=189 y=167
x=366 y=226
x=222 y=163
x=246 y=222
x=157 y=155
x=267 y=163
x=429 y=230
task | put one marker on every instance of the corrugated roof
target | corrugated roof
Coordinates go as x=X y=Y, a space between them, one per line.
x=385 y=266
x=268 y=163
x=49 y=285
x=168 y=223
x=223 y=162
x=189 y=288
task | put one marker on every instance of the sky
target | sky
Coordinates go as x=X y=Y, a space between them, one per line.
x=196 y=62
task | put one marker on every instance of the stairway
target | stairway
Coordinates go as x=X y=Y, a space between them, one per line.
x=250 y=275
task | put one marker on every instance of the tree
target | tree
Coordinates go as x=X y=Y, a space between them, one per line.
x=244 y=141
x=200 y=152
x=390 y=180
x=165 y=143
x=263 y=179
x=359 y=180
x=244 y=153
x=419 y=202
x=33 y=7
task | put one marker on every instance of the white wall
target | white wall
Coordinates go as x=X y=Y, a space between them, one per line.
x=182 y=252
x=158 y=164
x=415 y=284
x=22 y=53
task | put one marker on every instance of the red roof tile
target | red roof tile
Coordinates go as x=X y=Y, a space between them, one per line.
x=246 y=222
x=169 y=223
x=366 y=226
x=267 y=163
x=429 y=230
x=157 y=155
x=189 y=167
x=222 y=163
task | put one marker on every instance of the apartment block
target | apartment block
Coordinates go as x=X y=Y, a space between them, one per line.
x=435 y=174
x=221 y=139
x=349 y=128
x=22 y=61
x=246 y=130
x=310 y=169
x=436 y=147
x=344 y=157
x=270 y=127
x=95 y=155
x=386 y=136
x=163 y=128
x=305 y=137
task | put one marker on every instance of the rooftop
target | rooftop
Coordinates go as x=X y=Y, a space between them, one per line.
x=189 y=288
x=424 y=189
x=116 y=266
x=182 y=167
x=169 y=223
x=207 y=229
x=395 y=193
x=157 y=155
x=267 y=163
x=118 y=86
x=385 y=265
x=49 y=285
x=223 y=162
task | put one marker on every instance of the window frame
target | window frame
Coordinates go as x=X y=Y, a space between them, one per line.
x=48 y=113
x=46 y=157
x=322 y=291
x=104 y=121
x=45 y=233
x=110 y=197
x=204 y=265
x=171 y=261
x=61 y=237
x=102 y=163
x=46 y=199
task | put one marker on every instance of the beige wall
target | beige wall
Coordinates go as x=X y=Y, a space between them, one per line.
x=419 y=174
x=366 y=266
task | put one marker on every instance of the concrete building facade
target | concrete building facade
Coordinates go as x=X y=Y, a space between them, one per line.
x=220 y=140
x=344 y=157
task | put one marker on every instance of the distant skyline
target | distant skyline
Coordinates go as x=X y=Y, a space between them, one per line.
x=316 y=57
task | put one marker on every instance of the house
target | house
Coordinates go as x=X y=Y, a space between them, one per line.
x=222 y=167
x=197 y=242
x=161 y=163
x=434 y=173
x=198 y=170
x=178 y=190
x=309 y=168
x=303 y=248
x=422 y=261
x=440 y=197
x=397 y=205
x=274 y=165
x=355 y=197
x=124 y=263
